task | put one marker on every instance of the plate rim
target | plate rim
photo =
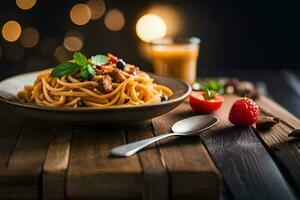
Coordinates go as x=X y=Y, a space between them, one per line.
x=95 y=109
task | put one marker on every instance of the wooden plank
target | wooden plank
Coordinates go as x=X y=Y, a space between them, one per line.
x=156 y=186
x=272 y=108
x=25 y=164
x=16 y=193
x=94 y=174
x=284 y=149
x=191 y=170
x=11 y=125
x=56 y=164
x=247 y=168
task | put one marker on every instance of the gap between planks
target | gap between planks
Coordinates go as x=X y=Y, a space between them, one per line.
x=284 y=149
x=246 y=166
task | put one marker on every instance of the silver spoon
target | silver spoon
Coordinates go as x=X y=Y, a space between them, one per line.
x=186 y=127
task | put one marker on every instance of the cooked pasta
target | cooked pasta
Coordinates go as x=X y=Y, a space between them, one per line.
x=110 y=86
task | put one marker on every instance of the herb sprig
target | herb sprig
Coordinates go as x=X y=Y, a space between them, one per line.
x=212 y=85
x=81 y=64
x=209 y=94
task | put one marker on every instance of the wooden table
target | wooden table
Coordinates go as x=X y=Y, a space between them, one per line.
x=40 y=160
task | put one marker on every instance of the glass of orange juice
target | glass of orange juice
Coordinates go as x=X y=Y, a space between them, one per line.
x=176 y=57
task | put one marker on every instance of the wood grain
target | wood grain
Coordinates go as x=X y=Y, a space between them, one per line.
x=156 y=186
x=25 y=164
x=284 y=149
x=270 y=107
x=247 y=168
x=191 y=170
x=94 y=174
x=11 y=126
x=56 y=164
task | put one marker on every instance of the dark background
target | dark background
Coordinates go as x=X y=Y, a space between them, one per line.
x=235 y=34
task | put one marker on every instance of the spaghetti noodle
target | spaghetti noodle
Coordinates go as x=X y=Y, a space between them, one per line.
x=109 y=87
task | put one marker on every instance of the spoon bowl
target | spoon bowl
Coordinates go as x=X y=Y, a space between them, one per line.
x=194 y=125
x=186 y=127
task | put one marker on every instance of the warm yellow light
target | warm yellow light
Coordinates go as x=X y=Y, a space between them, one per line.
x=30 y=37
x=25 y=4
x=11 y=31
x=97 y=8
x=80 y=14
x=73 y=43
x=150 y=27
x=114 y=20
x=172 y=16
x=73 y=40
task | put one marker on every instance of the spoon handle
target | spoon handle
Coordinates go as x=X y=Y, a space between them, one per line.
x=131 y=148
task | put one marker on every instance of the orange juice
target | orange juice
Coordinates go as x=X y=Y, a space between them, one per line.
x=176 y=60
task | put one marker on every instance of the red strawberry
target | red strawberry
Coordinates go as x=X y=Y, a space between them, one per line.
x=244 y=112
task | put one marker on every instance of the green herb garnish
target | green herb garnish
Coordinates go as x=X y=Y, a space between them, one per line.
x=212 y=85
x=81 y=65
x=80 y=59
x=65 y=69
x=209 y=94
x=99 y=60
x=87 y=72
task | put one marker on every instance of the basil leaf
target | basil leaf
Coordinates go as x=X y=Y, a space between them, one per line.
x=65 y=69
x=91 y=70
x=84 y=74
x=87 y=72
x=80 y=59
x=99 y=60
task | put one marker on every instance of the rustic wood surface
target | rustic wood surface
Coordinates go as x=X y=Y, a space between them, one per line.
x=243 y=160
x=284 y=149
x=156 y=184
x=56 y=164
x=39 y=160
x=187 y=160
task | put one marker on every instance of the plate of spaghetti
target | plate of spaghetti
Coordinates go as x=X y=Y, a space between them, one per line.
x=101 y=89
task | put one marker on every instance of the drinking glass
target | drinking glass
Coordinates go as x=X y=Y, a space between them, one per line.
x=176 y=57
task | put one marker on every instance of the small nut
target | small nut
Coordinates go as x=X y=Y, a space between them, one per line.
x=294 y=133
x=229 y=89
x=266 y=123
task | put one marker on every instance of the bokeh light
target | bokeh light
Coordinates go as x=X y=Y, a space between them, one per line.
x=14 y=51
x=171 y=15
x=80 y=14
x=73 y=40
x=62 y=55
x=48 y=45
x=150 y=27
x=29 y=37
x=97 y=8
x=25 y=4
x=11 y=31
x=114 y=20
